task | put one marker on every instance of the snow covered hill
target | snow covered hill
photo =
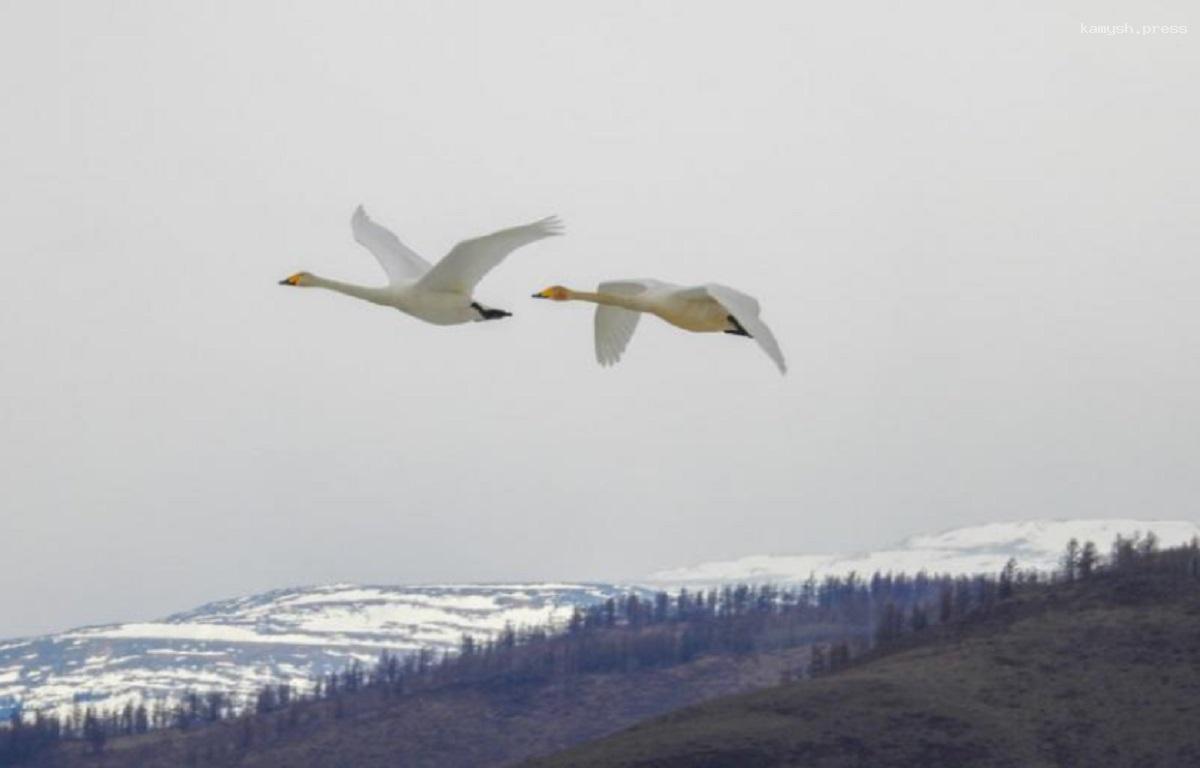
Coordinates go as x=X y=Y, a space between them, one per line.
x=979 y=549
x=283 y=636
x=292 y=635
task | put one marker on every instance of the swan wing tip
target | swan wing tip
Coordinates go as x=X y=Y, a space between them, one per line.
x=552 y=225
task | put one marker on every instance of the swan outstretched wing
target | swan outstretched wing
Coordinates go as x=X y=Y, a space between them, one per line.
x=614 y=326
x=398 y=260
x=460 y=270
x=745 y=309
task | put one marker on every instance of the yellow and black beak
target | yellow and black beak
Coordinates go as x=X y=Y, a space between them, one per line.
x=540 y=295
x=293 y=280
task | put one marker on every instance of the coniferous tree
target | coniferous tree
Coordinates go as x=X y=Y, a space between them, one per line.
x=267 y=700
x=1004 y=589
x=126 y=722
x=214 y=706
x=962 y=596
x=1088 y=558
x=889 y=626
x=1124 y=551
x=141 y=719
x=920 y=619
x=662 y=603
x=1070 y=560
x=946 y=605
x=93 y=732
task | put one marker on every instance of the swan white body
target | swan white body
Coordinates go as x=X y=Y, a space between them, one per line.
x=708 y=308
x=439 y=293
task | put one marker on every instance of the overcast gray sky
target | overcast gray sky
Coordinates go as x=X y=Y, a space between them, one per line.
x=973 y=232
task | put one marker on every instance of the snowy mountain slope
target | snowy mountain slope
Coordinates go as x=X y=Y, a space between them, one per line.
x=282 y=636
x=978 y=549
x=292 y=635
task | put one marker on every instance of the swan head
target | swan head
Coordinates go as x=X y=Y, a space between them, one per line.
x=300 y=279
x=554 y=293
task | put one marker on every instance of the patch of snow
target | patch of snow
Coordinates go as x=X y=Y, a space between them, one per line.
x=285 y=636
x=1035 y=544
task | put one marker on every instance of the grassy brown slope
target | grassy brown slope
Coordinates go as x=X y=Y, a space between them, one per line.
x=468 y=726
x=1103 y=673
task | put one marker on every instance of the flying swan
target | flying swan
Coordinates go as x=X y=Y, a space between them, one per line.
x=703 y=309
x=439 y=293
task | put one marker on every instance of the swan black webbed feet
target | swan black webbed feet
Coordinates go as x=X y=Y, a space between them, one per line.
x=738 y=330
x=489 y=314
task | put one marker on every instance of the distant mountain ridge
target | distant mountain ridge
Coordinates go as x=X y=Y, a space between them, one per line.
x=283 y=636
x=1037 y=544
x=292 y=635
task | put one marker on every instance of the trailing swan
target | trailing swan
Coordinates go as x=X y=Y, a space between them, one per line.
x=709 y=308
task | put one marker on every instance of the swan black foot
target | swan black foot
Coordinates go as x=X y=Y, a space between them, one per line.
x=738 y=330
x=489 y=314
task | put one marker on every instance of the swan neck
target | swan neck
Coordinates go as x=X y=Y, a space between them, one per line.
x=600 y=297
x=357 y=291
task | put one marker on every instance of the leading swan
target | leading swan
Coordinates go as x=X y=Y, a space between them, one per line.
x=439 y=293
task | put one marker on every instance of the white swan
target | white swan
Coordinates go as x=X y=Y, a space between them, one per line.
x=438 y=294
x=703 y=309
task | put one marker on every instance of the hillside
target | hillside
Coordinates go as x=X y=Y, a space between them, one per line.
x=285 y=636
x=466 y=726
x=1095 y=665
x=289 y=636
x=1102 y=672
x=496 y=701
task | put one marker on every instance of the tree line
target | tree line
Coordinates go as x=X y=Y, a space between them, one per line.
x=838 y=618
